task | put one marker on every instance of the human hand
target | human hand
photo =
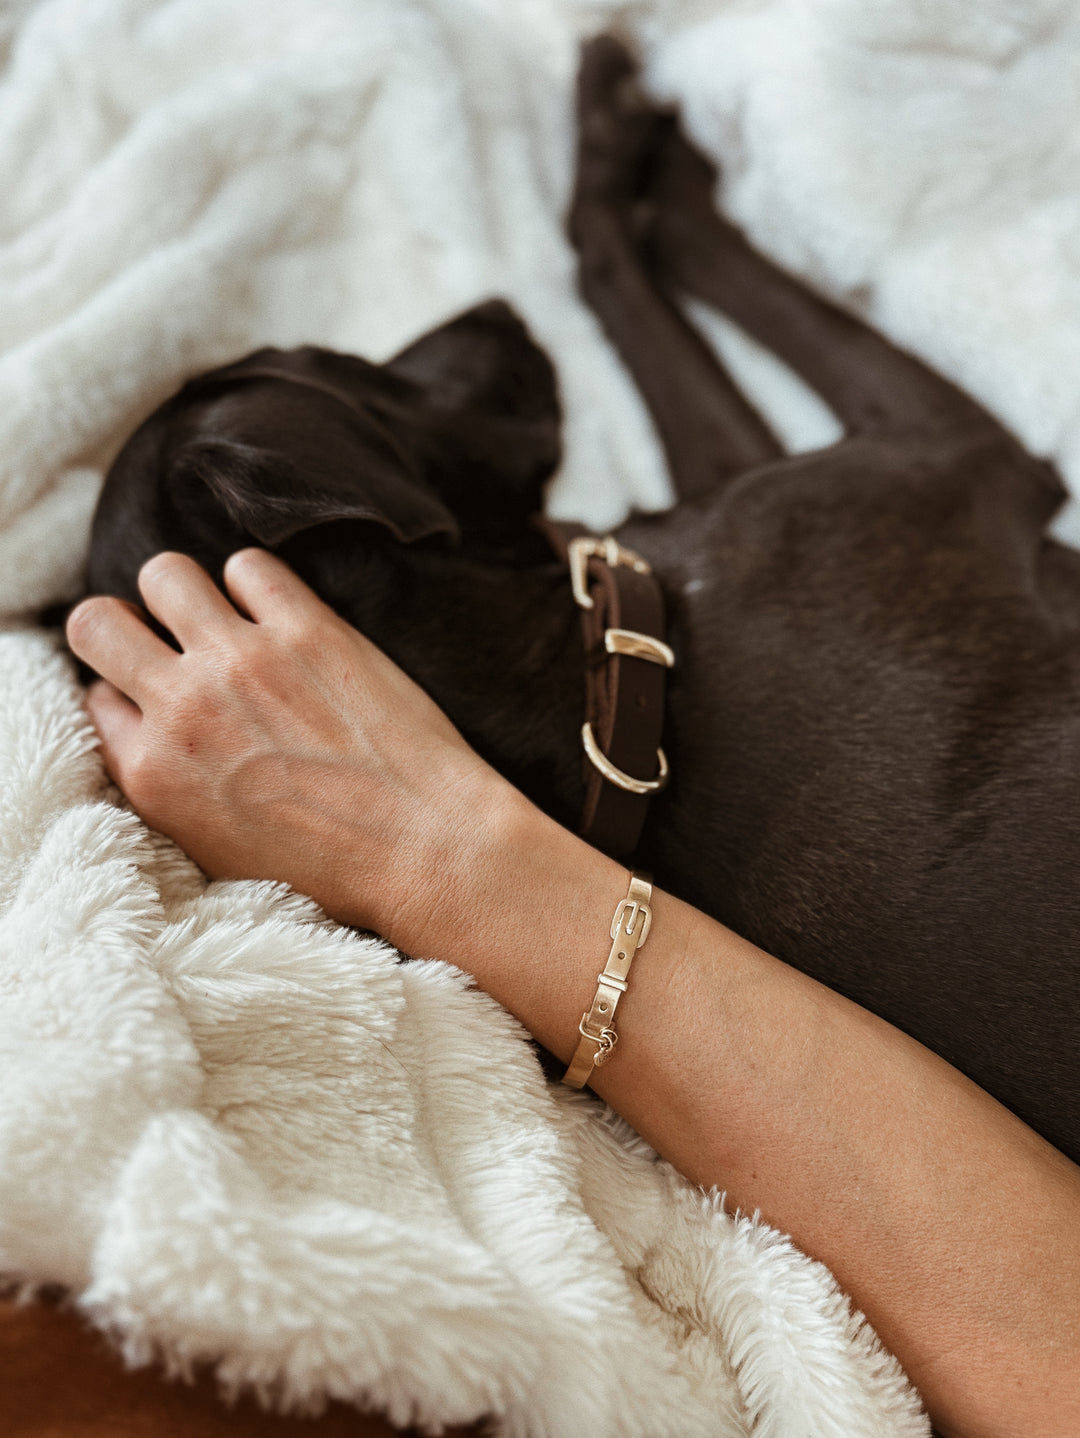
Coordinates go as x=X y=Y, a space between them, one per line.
x=280 y=743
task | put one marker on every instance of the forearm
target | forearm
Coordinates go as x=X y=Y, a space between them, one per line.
x=952 y=1225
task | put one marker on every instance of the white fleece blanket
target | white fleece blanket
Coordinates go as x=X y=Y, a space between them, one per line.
x=235 y=1132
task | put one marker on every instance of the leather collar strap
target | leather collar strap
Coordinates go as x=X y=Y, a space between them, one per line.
x=626 y=662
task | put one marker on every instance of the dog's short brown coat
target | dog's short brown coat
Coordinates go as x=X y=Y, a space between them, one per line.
x=874 y=724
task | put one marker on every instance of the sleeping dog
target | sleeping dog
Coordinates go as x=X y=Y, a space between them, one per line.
x=874 y=722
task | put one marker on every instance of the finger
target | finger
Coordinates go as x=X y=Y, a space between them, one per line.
x=112 y=637
x=117 y=722
x=267 y=589
x=179 y=592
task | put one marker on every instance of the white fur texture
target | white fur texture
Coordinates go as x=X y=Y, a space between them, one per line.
x=237 y=1133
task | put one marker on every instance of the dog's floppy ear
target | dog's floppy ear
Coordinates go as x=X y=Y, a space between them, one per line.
x=461 y=429
x=487 y=400
x=283 y=444
x=482 y=360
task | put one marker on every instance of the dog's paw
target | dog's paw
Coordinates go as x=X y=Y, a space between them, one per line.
x=620 y=135
x=681 y=178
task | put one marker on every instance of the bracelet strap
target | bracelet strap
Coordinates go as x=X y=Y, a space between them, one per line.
x=629 y=930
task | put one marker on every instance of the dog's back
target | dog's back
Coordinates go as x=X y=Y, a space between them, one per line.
x=875 y=725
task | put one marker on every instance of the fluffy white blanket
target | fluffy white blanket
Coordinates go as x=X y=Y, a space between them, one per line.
x=237 y=1133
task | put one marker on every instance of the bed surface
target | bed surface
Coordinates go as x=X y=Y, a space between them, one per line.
x=59 y=1379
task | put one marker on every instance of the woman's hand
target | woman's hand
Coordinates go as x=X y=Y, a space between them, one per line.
x=281 y=743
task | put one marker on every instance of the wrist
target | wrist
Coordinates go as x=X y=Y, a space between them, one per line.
x=524 y=907
x=459 y=874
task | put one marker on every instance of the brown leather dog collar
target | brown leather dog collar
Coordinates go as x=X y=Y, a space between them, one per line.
x=626 y=663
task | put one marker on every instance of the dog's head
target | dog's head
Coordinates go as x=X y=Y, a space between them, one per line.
x=449 y=442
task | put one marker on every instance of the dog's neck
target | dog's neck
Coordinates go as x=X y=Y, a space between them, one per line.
x=499 y=650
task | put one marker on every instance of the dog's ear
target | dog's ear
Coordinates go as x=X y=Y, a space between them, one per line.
x=486 y=399
x=283 y=447
x=483 y=360
x=458 y=431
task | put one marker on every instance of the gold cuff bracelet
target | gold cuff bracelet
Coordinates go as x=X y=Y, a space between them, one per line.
x=629 y=930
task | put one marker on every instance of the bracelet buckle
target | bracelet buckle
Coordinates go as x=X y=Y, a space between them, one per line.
x=636 y=907
x=629 y=930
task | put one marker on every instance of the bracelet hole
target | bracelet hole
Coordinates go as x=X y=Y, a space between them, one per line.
x=603 y=1008
x=621 y=954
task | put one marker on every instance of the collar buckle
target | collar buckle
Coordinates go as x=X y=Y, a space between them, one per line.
x=586 y=547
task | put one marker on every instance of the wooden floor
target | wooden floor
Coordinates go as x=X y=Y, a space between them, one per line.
x=59 y=1380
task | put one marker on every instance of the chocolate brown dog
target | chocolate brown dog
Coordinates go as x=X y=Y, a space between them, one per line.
x=874 y=724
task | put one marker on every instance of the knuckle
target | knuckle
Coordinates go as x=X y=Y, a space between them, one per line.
x=184 y=707
x=232 y=672
x=141 y=779
x=311 y=649
x=303 y=635
x=233 y=657
x=238 y=668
